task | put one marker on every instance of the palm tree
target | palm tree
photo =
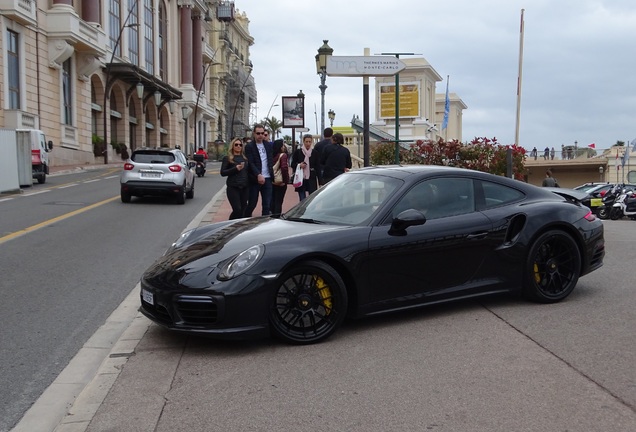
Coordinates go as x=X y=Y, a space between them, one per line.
x=274 y=125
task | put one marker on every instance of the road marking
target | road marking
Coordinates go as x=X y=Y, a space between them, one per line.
x=68 y=185
x=110 y=177
x=37 y=193
x=92 y=181
x=54 y=220
x=6 y=199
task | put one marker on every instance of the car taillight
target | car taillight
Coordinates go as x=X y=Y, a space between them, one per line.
x=128 y=166
x=175 y=168
x=603 y=193
x=590 y=216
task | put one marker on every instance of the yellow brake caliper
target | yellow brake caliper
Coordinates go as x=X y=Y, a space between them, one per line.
x=325 y=293
x=537 y=275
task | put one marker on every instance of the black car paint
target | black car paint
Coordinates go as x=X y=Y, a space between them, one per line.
x=381 y=272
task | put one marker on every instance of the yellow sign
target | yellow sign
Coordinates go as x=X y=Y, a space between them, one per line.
x=409 y=100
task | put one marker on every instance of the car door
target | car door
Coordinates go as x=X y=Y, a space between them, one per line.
x=432 y=260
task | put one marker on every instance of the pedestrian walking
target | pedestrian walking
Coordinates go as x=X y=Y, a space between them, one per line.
x=234 y=167
x=336 y=158
x=546 y=153
x=549 y=181
x=552 y=153
x=319 y=148
x=260 y=170
x=309 y=160
x=281 y=176
x=533 y=153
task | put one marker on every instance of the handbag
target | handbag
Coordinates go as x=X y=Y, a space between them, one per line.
x=278 y=173
x=298 y=177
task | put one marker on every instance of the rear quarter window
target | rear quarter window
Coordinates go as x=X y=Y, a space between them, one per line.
x=496 y=194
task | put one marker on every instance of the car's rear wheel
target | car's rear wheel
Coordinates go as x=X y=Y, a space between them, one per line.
x=603 y=213
x=553 y=267
x=125 y=197
x=181 y=196
x=309 y=303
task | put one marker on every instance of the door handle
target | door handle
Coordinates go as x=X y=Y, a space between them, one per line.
x=477 y=236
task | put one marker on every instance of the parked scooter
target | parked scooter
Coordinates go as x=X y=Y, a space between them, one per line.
x=625 y=205
x=603 y=211
x=200 y=166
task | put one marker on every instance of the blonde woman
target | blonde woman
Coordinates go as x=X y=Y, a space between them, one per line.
x=234 y=167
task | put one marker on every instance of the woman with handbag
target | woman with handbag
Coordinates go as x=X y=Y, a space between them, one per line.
x=281 y=176
x=309 y=163
x=233 y=166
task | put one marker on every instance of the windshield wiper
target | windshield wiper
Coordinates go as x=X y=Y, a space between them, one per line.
x=306 y=220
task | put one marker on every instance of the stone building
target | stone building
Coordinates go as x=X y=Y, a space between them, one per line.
x=95 y=75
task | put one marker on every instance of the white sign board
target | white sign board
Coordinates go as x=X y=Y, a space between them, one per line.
x=302 y=129
x=361 y=66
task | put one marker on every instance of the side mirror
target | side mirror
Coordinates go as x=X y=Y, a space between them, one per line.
x=192 y=164
x=50 y=146
x=407 y=218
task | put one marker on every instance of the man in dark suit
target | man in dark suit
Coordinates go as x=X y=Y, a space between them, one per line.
x=320 y=148
x=260 y=169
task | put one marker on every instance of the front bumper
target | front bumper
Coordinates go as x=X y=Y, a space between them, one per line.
x=208 y=312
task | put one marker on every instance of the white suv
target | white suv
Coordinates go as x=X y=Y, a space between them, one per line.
x=157 y=171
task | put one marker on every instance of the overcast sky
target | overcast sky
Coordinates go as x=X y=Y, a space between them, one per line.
x=579 y=61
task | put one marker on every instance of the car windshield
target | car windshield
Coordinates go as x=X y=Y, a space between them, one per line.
x=349 y=199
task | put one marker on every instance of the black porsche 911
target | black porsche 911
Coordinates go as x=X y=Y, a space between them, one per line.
x=373 y=240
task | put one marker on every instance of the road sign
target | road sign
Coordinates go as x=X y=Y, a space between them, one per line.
x=302 y=129
x=361 y=66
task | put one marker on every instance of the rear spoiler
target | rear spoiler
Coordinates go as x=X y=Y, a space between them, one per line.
x=568 y=194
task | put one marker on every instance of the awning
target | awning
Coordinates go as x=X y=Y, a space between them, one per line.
x=132 y=74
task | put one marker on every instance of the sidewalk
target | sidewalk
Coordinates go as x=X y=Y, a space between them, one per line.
x=83 y=389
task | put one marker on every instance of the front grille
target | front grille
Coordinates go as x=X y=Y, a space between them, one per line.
x=197 y=310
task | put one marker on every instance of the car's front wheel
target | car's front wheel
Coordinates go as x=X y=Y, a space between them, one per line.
x=553 y=267
x=309 y=303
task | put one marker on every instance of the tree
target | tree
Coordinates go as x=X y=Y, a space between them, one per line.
x=274 y=125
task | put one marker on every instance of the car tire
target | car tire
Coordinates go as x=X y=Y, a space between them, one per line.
x=603 y=213
x=553 y=267
x=42 y=178
x=190 y=193
x=125 y=197
x=308 y=304
x=181 y=196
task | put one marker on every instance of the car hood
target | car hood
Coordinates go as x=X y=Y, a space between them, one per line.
x=211 y=244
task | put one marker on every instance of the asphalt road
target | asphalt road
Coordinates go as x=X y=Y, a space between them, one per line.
x=70 y=252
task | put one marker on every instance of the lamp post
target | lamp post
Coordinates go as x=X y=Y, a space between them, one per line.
x=300 y=95
x=324 y=52
x=332 y=116
x=600 y=172
x=185 y=113
x=108 y=84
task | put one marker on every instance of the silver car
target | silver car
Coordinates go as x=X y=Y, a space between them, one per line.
x=159 y=172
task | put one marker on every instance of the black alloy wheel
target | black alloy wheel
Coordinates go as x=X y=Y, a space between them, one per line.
x=553 y=267
x=603 y=213
x=309 y=303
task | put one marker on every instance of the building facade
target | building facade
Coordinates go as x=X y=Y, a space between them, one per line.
x=98 y=76
x=421 y=108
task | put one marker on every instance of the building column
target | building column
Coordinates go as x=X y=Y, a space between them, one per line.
x=186 y=45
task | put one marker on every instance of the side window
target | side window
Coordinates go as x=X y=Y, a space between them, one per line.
x=496 y=194
x=439 y=197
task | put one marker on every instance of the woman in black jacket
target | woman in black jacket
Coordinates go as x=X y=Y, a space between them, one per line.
x=335 y=158
x=234 y=167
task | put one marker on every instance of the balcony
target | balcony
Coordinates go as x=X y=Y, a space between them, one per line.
x=208 y=53
x=21 y=11
x=64 y=23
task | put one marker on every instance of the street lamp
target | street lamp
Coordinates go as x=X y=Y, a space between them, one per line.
x=185 y=113
x=600 y=171
x=108 y=84
x=332 y=116
x=324 y=52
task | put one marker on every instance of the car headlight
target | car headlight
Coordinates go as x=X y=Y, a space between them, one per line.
x=241 y=262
